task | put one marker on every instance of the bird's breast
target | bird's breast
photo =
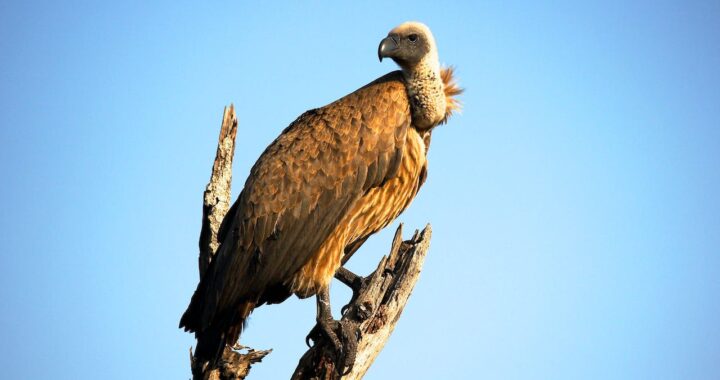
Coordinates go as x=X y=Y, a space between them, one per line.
x=372 y=212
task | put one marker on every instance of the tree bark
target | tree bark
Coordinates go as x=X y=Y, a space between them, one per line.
x=381 y=296
x=216 y=203
x=216 y=199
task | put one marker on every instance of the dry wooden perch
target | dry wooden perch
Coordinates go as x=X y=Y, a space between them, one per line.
x=216 y=203
x=379 y=301
x=375 y=311
x=216 y=199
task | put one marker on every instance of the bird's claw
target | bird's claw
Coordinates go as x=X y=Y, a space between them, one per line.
x=354 y=282
x=346 y=359
x=345 y=308
x=357 y=286
x=343 y=337
x=327 y=328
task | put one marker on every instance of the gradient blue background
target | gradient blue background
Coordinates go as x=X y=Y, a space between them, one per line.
x=574 y=202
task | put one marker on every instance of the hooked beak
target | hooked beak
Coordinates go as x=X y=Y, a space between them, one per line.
x=387 y=47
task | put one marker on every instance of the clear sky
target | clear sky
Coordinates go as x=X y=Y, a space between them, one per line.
x=575 y=202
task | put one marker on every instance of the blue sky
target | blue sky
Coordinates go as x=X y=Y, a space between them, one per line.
x=574 y=203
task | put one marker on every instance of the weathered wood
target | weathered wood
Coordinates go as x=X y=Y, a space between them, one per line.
x=374 y=312
x=232 y=366
x=216 y=199
x=216 y=203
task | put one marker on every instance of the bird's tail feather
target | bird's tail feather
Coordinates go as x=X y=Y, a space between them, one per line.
x=210 y=345
x=212 y=341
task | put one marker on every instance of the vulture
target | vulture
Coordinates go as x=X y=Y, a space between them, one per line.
x=334 y=176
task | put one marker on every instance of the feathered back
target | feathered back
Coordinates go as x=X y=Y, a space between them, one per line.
x=452 y=89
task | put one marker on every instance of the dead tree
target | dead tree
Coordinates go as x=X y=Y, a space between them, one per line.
x=378 y=299
x=216 y=203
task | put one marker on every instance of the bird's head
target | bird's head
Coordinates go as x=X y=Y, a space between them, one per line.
x=410 y=44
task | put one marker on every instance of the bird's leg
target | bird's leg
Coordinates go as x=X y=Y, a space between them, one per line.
x=325 y=323
x=353 y=281
x=349 y=278
x=344 y=344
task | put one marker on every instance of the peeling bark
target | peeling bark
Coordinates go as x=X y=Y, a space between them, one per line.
x=216 y=199
x=216 y=202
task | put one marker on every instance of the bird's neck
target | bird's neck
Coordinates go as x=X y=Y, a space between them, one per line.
x=425 y=90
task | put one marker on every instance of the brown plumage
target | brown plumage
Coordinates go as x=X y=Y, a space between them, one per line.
x=335 y=176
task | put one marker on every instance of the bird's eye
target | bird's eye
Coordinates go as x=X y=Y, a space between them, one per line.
x=412 y=37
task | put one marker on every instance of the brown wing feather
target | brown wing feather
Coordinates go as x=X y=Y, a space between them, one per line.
x=452 y=90
x=297 y=192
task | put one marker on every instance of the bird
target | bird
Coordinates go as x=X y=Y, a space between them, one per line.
x=334 y=177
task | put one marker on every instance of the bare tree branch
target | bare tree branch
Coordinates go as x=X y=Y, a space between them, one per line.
x=375 y=311
x=232 y=366
x=216 y=203
x=216 y=199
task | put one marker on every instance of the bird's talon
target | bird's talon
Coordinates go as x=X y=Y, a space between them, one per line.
x=314 y=334
x=354 y=282
x=346 y=359
x=327 y=328
x=345 y=309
